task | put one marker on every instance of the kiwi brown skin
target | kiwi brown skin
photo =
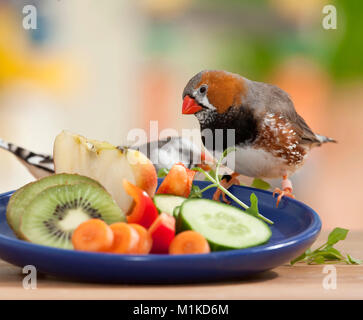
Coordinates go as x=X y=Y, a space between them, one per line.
x=54 y=204
x=72 y=179
x=11 y=201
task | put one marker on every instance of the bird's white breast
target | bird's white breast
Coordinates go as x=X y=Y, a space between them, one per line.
x=254 y=162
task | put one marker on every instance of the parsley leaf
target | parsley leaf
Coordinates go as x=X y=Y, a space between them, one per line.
x=336 y=235
x=352 y=260
x=163 y=172
x=327 y=253
x=195 y=192
x=253 y=209
x=260 y=184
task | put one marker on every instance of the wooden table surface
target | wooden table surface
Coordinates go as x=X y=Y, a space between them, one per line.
x=300 y=281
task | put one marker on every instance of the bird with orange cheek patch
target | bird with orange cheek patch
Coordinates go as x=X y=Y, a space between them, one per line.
x=272 y=140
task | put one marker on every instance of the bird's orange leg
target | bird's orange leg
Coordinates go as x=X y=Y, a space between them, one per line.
x=227 y=185
x=285 y=192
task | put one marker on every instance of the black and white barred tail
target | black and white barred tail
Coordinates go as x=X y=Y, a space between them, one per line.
x=39 y=165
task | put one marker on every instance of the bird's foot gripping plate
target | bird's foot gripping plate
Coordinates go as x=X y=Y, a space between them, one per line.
x=286 y=192
x=227 y=182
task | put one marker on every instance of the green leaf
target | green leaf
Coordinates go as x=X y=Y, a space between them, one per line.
x=260 y=184
x=336 y=235
x=253 y=209
x=326 y=253
x=299 y=258
x=329 y=254
x=352 y=260
x=195 y=192
x=319 y=259
x=163 y=172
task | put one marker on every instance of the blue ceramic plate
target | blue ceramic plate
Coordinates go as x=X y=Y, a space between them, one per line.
x=295 y=228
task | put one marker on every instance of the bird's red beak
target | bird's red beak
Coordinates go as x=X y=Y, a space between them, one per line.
x=190 y=106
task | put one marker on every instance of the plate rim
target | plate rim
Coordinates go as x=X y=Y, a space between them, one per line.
x=309 y=233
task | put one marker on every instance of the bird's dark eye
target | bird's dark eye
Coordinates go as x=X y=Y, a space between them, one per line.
x=202 y=89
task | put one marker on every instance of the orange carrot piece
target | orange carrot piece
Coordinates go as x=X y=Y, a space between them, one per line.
x=92 y=235
x=126 y=238
x=145 y=242
x=189 y=242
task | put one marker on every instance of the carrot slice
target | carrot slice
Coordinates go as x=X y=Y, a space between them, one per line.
x=145 y=241
x=92 y=235
x=126 y=238
x=189 y=242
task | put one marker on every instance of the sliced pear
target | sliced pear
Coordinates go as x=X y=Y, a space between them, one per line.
x=106 y=164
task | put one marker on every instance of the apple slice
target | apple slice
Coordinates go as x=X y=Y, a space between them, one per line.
x=106 y=164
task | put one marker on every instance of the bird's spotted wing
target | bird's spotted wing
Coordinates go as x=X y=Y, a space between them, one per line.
x=307 y=136
x=280 y=103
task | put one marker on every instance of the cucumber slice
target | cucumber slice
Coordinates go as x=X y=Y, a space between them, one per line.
x=167 y=202
x=176 y=212
x=224 y=226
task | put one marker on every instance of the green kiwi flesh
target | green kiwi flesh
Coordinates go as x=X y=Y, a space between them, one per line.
x=20 y=200
x=56 y=212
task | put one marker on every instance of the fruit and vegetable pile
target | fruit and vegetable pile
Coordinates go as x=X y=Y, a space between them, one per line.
x=104 y=199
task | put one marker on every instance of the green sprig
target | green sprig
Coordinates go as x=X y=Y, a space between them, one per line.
x=195 y=192
x=256 y=183
x=215 y=182
x=326 y=253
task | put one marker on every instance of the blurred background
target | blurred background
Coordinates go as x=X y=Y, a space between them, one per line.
x=102 y=68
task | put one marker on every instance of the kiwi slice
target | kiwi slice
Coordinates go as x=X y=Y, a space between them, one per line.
x=20 y=200
x=56 y=212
